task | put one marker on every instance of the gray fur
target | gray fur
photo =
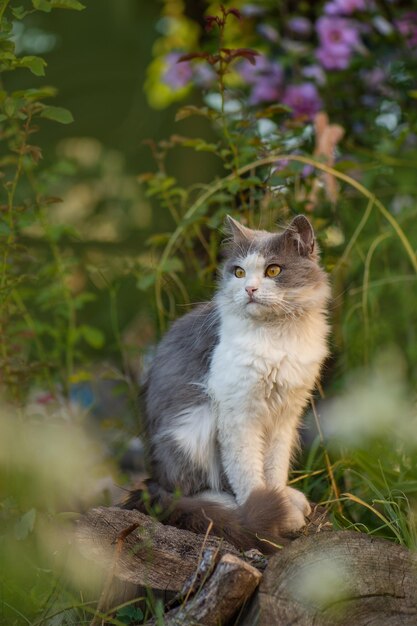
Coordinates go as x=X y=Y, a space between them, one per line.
x=176 y=382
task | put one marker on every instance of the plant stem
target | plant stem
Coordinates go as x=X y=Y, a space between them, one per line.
x=3 y=7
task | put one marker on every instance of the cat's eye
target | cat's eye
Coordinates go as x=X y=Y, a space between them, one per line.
x=239 y=272
x=272 y=271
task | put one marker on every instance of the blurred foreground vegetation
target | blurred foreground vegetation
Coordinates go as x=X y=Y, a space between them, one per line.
x=110 y=228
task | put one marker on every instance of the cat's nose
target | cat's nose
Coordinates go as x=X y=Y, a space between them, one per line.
x=250 y=290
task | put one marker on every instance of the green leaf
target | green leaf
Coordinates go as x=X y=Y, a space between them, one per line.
x=144 y=282
x=10 y=107
x=7 y=50
x=67 y=4
x=190 y=109
x=47 y=5
x=25 y=525
x=4 y=229
x=272 y=110
x=129 y=615
x=199 y=145
x=36 y=94
x=173 y=264
x=84 y=298
x=42 y=5
x=160 y=239
x=93 y=336
x=58 y=114
x=19 y=12
x=35 y=64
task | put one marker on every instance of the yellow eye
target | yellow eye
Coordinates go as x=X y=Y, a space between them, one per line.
x=239 y=272
x=272 y=271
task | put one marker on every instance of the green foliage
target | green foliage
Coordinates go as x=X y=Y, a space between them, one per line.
x=129 y=615
x=58 y=114
x=25 y=206
x=61 y=286
x=48 y=5
x=41 y=341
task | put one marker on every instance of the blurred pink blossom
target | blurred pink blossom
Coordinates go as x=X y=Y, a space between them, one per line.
x=346 y=7
x=373 y=78
x=303 y=99
x=300 y=25
x=337 y=31
x=268 y=32
x=334 y=58
x=177 y=75
x=316 y=73
x=252 y=10
x=204 y=75
x=338 y=38
x=265 y=78
x=407 y=25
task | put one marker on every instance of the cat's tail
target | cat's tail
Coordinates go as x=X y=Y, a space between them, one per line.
x=255 y=524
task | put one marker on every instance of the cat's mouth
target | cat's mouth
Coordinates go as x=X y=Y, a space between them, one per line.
x=252 y=300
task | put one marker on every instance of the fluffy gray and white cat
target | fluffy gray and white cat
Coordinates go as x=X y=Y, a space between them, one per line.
x=228 y=385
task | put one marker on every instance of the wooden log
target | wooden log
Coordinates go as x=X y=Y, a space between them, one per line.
x=220 y=598
x=340 y=578
x=154 y=555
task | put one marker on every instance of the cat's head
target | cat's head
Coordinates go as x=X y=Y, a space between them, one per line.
x=270 y=275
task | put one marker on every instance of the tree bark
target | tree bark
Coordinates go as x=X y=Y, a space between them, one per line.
x=321 y=579
x=341 y=578
x=220 y=598
x=154 y=555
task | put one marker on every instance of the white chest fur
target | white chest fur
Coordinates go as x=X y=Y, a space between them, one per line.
x=259 y=370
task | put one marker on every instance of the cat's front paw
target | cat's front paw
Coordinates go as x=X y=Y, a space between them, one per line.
x=298 y=509
x=299 y=500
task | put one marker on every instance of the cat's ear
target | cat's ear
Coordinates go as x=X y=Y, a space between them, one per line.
x=237 y=230
x=301 y=233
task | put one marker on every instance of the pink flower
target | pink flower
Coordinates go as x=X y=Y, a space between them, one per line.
x=303 y=99
x=407 y=25
x=334 y=58
x=177 y=75
x=346 y=7
x=338 y=38
x=373 y=78
x=265 y=78
x=264 y=68
x=252 y=10
x=300 y=25
x=264 y=91
x=204 y=75
x=337 y=32
x=314 y=72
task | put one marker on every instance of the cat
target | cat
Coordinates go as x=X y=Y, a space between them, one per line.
x=228 y=385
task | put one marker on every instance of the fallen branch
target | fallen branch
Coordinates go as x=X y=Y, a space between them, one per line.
x=104 y=597
x=220 y=598
x=154 y=555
